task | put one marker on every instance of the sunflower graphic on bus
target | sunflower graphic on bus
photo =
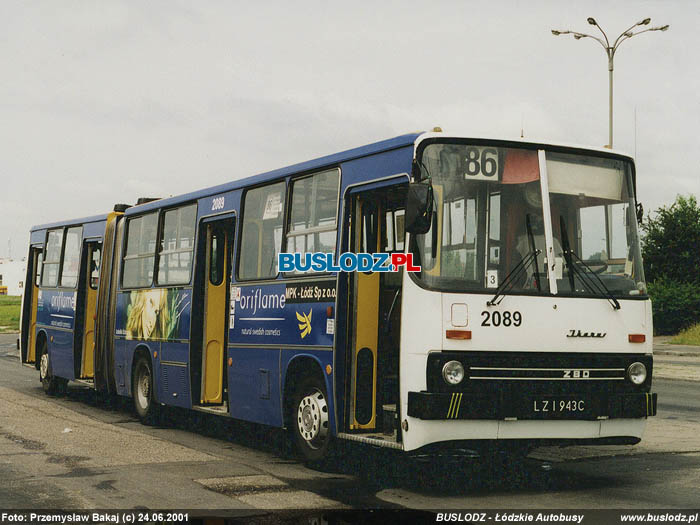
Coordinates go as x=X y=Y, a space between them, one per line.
x=304 y=323
x=154 y=313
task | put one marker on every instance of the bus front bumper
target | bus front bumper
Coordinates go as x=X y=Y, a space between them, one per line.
x=463 y=405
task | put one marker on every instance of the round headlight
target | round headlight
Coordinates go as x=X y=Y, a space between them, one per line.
x=637 y=373
x=453 y=372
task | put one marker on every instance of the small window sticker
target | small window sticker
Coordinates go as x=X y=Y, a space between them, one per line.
x=235 y=293
x=491 y=278
x=273 y=206
x=330 y=326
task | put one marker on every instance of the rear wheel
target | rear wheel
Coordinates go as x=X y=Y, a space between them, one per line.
x=310 y=419
x=142 y=391
x=52 y=384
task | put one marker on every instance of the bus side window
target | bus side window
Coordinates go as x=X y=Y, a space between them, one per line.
x=217 y=251
x=312 y=218
x=176 y=245
x=139 y=258
x=52 y=258
x=393 y=231
x=95 y=266
x=261 y=237
x=71 y=257
x=37 y=268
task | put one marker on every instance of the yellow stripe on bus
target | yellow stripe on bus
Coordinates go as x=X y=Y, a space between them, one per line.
x=459 y=403
x=449 y=410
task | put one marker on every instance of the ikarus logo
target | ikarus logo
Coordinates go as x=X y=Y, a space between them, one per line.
x=304 y=323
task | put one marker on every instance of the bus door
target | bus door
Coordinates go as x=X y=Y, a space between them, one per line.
x=365 y=318
x=375 y=306
x=92 y=276
x=219 y=239
x=32 y=287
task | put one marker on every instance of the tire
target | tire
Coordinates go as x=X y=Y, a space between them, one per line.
x=142 y=391
x=309 y=414
x=52 y=385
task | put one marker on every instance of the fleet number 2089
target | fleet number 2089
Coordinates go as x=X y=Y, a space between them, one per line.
x=505 y=318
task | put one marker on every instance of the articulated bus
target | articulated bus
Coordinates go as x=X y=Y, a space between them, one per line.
x=524 y=320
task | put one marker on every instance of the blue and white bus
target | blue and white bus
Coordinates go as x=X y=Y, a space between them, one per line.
x=528 y=322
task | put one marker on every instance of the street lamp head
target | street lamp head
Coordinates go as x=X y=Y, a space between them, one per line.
x=663 y=28
x=592 y=21
x=555 y=32
x=578 y=36
x=644 y=22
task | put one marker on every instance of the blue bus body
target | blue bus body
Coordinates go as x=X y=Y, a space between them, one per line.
x=263 y=339
x=190 y=310
x=58 y=319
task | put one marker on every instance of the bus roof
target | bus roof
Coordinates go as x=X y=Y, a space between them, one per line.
x=71 y=222
x=527 y=142
x=311 y=165
x=410 y=139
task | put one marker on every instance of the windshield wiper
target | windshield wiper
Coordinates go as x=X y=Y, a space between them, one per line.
x=519 y=268
x=579 y=267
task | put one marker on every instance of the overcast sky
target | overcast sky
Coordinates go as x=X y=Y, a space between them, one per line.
x=104 y=102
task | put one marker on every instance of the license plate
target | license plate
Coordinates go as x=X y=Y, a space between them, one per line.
x=560 y=407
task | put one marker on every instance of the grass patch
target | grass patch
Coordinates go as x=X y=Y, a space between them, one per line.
x=9 y=313
x=689 y=336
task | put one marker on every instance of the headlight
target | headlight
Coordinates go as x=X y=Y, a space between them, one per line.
x=637 y=373
x=453 y=372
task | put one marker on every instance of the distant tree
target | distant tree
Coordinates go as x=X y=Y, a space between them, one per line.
x=671 y=242
x=671 y=251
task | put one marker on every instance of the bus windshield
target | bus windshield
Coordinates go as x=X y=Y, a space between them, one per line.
x=489 y=222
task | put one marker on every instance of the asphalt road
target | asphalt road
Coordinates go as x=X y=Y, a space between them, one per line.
x=77 y=451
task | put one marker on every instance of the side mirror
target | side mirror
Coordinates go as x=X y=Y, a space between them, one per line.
x=419 y=207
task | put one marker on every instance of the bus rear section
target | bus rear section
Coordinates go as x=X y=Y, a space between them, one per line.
x=529 y=322
x=60 y=302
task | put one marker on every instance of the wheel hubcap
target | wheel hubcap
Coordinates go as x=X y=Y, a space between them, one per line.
x=44 y=365
x=312 y=418
x=144 y=388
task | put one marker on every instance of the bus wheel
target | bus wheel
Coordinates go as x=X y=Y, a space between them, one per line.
x=52 y=384
x=142 y=391
x=310 y=419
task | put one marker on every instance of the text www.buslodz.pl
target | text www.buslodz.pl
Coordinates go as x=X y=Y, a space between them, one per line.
x=347 y=262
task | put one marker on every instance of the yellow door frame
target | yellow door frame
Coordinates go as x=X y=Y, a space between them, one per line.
x=365 y=321
x=31 y=350
x=87 y=366
x=215 y=317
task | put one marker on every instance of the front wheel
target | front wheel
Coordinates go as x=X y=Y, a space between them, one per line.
x=142 y=391
x=310 y=422
x=52 y=384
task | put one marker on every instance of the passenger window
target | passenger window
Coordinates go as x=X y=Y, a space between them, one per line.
x=71 y=257
x=140 y=251
x=217 y=251
x=394 y=231
x=52 y=258
x=95 y=265
x=37 y=267
x=261 y=232
x=176 y=246
x=314 y=208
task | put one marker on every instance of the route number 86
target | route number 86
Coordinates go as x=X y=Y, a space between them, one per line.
x=481 y=162
x=505 y=318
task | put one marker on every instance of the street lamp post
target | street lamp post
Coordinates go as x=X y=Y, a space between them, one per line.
x=610 y=52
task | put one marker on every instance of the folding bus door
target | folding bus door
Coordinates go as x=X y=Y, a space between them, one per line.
x=32 y=287
x=94 y=251
x=365 y=322
x=218 y=239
